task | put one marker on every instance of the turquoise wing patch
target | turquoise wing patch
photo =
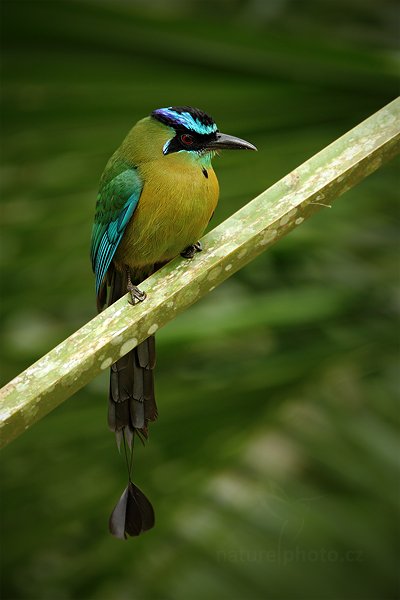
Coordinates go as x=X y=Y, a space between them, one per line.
x=116 y=203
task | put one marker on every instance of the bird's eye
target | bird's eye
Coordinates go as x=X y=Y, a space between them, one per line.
x=187 y=139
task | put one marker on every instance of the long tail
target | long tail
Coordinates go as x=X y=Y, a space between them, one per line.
x=131 y=406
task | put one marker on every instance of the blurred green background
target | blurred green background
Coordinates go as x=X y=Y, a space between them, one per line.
x=274 y=463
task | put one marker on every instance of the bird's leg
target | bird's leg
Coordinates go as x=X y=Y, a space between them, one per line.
x=191 y=250
x=137 y=295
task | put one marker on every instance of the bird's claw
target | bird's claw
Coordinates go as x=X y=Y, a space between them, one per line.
x=137 y=295
x=191 y=250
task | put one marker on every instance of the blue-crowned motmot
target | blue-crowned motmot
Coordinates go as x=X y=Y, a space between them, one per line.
x=157 y=194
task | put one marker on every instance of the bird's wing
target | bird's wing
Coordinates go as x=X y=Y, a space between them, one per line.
x=116 y=203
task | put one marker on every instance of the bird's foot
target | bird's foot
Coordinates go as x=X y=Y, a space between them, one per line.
x=137 y=295
x=191 y=250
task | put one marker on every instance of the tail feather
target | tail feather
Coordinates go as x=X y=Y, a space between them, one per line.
x=132 y=514
x=131 y=406
x=131 y=398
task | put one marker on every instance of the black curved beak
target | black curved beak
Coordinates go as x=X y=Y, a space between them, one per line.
x=229 y=142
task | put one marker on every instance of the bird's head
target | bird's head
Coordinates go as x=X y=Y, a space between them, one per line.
x=192 y=130
x=178 y=133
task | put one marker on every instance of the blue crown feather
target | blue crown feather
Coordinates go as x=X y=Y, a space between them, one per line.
x=190 y=118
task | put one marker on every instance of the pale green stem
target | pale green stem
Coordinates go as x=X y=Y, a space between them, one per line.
x=250 y=231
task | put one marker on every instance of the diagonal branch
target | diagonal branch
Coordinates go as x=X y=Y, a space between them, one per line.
x=230 y=246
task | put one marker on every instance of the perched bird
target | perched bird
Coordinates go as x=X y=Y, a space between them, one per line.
x=157 y=194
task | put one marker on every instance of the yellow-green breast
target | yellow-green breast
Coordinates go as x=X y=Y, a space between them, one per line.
x=178 y=199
